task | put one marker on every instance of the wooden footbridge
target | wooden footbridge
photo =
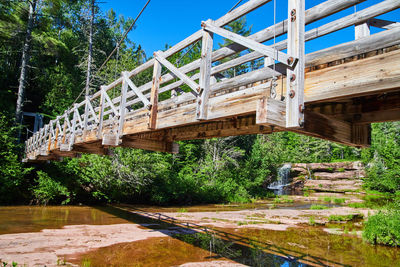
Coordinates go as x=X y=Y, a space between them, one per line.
x=334 y=93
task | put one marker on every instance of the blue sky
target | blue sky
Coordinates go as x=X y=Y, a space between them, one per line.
x=170 y=21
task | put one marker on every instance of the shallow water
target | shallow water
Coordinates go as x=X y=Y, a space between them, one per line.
x=301 y=246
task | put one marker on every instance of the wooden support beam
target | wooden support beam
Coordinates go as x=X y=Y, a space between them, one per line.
x=315 y=125
x=136 y=90
x=241 y=125
x=72 y=133
x=94 y=148
x=271 y=112
x=86 y=116
x=371 y=43
x=363 y=110
x=287 y=59
x=110 y=139
x=205 y=75
x=362 y=30
x=152 y=145
x=154 y=95
x=122 y=107
x=101 y=113
x=295 y=77
x=383 y=24
x=186 y=79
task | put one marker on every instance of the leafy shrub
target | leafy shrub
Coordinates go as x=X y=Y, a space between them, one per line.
x=13 y=182
x=344 y=218
x=49 y=190
x=383 y=228
x=383 y=158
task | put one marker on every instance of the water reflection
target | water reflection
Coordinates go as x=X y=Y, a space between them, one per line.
x=235 y=245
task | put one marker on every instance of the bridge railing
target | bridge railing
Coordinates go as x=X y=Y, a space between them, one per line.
x=102 y=116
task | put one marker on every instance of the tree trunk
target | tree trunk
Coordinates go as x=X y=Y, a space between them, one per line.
x=25 y=62
x=89 y=66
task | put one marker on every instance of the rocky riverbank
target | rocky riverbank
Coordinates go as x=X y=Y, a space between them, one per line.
x=337 y=177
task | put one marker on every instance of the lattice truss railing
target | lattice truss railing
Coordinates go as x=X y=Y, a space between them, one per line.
x=103 y=115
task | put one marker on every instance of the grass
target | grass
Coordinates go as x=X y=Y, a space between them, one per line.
x=182 y=210
x=283 y=199
x=357 y=205
x=311 y=221
x=344 y=218
x=318 y=207
x=239 y=223
x=339 y=200
x=334 y=200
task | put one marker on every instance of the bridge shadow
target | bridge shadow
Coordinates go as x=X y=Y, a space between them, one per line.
x=224 y=244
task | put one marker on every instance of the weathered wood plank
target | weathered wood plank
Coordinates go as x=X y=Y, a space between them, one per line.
x=371 y=43
x=154 y=95
x=383 y=24
x=287 y=59
x=295 y=77
x=271 y=112
x=205 y=75
x=161 y=59
x=136 y=90
x=152 y=145
x=361 y=30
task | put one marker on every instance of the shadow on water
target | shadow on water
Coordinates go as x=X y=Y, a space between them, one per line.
x=222 y=243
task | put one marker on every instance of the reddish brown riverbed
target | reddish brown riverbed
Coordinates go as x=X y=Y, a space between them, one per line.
x=111 y=236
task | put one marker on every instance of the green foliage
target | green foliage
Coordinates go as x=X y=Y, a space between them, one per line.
x=283 y=199
x=311 y=221
x=383 y=158
x=344 y=218
x=318 y=207
x=49 y=190
x=383 y=228
x=339 y=200
x=13 y=173
x=357 y=205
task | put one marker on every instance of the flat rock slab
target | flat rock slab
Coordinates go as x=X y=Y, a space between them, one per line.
x=44 y=248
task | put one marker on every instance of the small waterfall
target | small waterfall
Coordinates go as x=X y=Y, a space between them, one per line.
x=283 y=179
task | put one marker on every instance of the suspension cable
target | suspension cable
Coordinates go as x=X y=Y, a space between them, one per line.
x=235 y=5
x=115 y=49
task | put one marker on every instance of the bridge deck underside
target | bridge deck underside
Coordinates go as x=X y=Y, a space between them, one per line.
x=342 y=98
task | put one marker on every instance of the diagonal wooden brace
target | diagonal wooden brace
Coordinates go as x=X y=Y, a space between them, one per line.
x=186 y=79
x=136 y=90
x=286 y=59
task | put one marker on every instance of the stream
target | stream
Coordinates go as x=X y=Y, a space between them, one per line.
x=144 y=236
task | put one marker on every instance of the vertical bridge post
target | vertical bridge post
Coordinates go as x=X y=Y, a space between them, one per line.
x=295 y=75
x=154 y=95
x=122 y=105
x=205 y=74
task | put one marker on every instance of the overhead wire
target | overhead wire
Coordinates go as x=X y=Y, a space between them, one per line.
x=115 y=49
